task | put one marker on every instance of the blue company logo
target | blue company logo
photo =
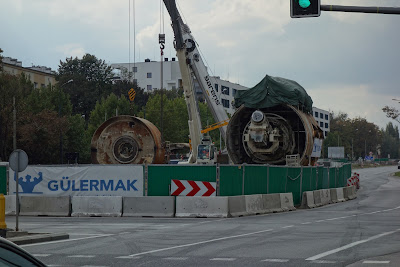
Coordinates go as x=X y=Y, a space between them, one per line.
x=28 y=184
x=91 y=185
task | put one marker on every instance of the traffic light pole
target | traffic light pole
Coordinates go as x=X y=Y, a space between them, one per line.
x=360 y=9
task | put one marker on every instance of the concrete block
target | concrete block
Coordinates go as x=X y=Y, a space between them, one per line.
x=254 y=204
x=326 y=196
x=103 y=206
x=345 y=193
x=317 y=198
x=237 y=206
x=308 y=200
x=156 y=206
x=216 y=207
x=11 y=205
x=287 y=201
x=45 y=206
x=340 y=195
x=351 y=191
x=272 y=202
x=333 y=193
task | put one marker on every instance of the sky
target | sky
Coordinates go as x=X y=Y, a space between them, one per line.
x=347 y=62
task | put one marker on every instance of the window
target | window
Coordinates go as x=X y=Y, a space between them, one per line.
x=135 y=81
x=225 y=103
x=216 y=87
x=149 y=75
x=321 y=124
x=326 y=133
x=326 y=125
x=316 y=114
x=321 y=115
x=134 y=69
x=326 y=117
x=224 y=90
x=149 y=87
x=234 y=92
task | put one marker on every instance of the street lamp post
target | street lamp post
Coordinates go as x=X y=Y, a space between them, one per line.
x=59 y=115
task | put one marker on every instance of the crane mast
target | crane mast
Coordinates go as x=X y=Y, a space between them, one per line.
x=192 y=66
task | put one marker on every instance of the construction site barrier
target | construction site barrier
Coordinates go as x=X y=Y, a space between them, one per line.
x=254 y=204
x=45 y=206
x=308 y=200
x=272 y=202
x=326 y=196
x=237 y=206
x=202 y=207
x=287 y=202
x=149 y=206
x=317 y=198
x=104 y=206
x=11 y=205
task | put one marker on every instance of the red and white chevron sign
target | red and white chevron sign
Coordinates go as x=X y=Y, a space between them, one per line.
x=192 y=188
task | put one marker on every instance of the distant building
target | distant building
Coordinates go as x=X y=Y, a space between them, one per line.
x=148 y=76
x=40 y=76
x=323 y=119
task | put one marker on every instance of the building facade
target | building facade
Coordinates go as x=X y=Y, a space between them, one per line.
x=148 y=76
x=323 y=119
x=40 y=76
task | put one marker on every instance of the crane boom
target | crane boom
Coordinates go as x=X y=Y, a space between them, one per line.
x=189 y=57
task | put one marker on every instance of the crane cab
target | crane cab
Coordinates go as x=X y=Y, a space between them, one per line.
x=206 y=152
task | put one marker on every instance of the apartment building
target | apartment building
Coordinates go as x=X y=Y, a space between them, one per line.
x=40 y=76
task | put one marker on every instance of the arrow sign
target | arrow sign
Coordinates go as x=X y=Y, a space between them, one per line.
x=192 y=188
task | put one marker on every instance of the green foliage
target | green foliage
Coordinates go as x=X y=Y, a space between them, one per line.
x=77 y=139
x=392 y=113
x=10 y=86
x=1 y=59
x=357 y=136
x=92 y=80
x=107 y=108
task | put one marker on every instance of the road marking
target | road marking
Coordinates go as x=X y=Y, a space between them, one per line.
x=276 y=260
x=81 y=256
x=201 y=242
x=320 y=221
x=66 y=240
x=127 y=257
x=289 y=226
x=176 y=258
x=324 y=262
x=306 y=223
x=376 y=262
x=316 y=257
x=223 y=259
x=41 y=255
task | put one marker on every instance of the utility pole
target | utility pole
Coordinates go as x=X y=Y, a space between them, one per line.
x=161 y=41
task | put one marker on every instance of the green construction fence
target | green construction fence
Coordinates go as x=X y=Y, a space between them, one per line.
x=233 y=180
x=3 y=180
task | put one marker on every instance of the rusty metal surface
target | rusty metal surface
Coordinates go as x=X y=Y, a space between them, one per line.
x=127 y=140
x=303 y=125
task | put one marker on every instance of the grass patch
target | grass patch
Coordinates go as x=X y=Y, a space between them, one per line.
x=397 y=174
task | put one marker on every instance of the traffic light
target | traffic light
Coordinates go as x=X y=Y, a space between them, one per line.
x=305 y=8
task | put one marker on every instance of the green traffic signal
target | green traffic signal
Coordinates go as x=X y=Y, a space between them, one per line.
x=304 y=3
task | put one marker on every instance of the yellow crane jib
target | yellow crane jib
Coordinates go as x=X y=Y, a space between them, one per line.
x=214 y=126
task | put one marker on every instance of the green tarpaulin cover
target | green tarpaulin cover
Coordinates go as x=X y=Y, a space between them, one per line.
x=272 y=91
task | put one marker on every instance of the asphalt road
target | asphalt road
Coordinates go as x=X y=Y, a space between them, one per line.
x=360 y=232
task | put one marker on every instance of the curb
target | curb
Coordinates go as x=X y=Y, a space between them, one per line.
x=37 y=238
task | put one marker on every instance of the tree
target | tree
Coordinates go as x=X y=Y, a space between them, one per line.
x=107 y=108
x=92 y=80
x=1 y=60
x=392 y=113
x=11 y=87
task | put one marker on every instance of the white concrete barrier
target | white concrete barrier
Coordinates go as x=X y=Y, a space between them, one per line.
x=333 y=193
x=317 y=198
x=351 y=192
x=254 y=204
x=272 y=202
x=155 y=206
x=202 y=207
x=326 y=196
x=308 y=200
x=237 y=206
x=287 y=201
x=11 y=205
x=345 y=193
x=105 y=206
x=45 y=206
x=340 y=195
